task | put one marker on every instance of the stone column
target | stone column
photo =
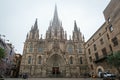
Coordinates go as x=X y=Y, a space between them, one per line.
x=67 y=71
x=44 y=70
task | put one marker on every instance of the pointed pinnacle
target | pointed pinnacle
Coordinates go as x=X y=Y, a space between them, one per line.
x=75 y=26
x=35 y=25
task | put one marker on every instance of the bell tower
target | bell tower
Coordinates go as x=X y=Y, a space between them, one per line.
x=55 y=30
x=34 y=32
x=77 y=35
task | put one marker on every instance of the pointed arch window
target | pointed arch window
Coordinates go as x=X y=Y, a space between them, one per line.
x=81 y=61
x=70 y=49
x=80 y=50
x=39 y=60
x=29 y=59
x=71 y=60
x=31 y=47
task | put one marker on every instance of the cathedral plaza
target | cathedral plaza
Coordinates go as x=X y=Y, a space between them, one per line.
x=54 y=79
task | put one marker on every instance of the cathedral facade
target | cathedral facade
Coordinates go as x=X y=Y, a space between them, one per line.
x=54 y=56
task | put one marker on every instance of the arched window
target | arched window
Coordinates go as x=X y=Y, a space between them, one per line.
x=29 y=59
x=39 y=60
x=71 y=60
x=81 y=62
x=70 y=49
x=80 y=50
x=31 y=47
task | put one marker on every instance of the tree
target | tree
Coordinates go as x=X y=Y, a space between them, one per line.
x=114 y=60
x=2 y=53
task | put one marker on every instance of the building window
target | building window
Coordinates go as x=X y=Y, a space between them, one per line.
x=93 y=40
x=79 y=50
x=96 y=56
x=91 y=67
x=29 y=59
x=111 y=28
x=90 y=58
x=101 y=41
x=81 y=61
x=71 y=60
x=108 y=37
x=39 y=60
x=95 y=48
x=70 y=50
x=104 y=51
x=110 y=48
x=89 y=51
x=115 y=41
x=31 y=48
x=40 y=49
x=99 y=34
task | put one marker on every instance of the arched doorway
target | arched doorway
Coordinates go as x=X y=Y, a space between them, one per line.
x=100 y=71
x=56 y=64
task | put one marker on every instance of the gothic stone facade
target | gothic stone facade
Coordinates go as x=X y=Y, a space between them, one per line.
x=54 y=56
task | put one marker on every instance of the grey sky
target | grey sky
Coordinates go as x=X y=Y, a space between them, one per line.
x=17 y=17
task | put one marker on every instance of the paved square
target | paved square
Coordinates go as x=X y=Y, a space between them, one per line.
x=53 y=79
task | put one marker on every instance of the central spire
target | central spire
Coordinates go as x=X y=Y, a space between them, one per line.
x=55 y=21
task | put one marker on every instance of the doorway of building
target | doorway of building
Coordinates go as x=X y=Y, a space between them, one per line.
x=56 y=72
x=55 y=62
x=100 y=73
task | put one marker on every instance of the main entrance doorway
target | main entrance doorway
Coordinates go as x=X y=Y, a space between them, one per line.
x=56 y=63
x=55 y=70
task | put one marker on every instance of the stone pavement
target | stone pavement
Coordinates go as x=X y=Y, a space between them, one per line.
x=53 y=79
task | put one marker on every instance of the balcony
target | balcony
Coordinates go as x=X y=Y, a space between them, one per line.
x=100 y=58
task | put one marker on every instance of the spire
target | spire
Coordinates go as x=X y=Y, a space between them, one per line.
x=35 y=25
x=27 y=36
x=55 y=18
x=75 y=26
x=83 y=38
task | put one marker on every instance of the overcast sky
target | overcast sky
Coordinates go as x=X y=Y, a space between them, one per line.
x=17 y=17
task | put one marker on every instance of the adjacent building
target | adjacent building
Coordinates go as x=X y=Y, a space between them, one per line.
x=16 y=67
x=105 y=40
x=7 y=62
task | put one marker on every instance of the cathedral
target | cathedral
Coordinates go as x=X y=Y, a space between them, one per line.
x=55 y=55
